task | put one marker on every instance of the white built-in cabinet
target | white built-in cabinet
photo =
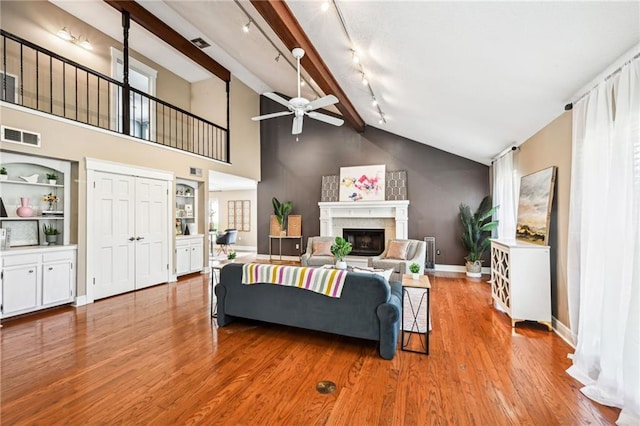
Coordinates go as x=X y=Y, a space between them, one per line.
x=37 y=279
x=189 y=254
x=189 y=243
x=35 y=274
x=520 y=280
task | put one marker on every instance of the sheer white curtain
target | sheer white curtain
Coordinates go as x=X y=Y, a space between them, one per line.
x=604 y=243
x=505 y=195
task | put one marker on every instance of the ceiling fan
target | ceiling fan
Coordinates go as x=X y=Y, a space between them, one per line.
x=300 y=106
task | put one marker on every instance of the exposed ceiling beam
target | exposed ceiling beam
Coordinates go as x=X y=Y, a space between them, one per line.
x=164 y=32
x=286 y=26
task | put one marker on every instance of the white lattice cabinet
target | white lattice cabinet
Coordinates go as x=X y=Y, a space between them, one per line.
x=521 y=281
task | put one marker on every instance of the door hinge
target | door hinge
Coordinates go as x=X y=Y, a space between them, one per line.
x=94 y=281
x=94 y=184
x=2 y=309
x=2 y=275
x=167 y=266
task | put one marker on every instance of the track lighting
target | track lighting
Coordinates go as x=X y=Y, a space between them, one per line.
x=364 y=80
x=374 y=102
x=278 y=57
x=246 y=26
x=382 y=119
x=325 y=6
x=355 y=58
x=66 y=35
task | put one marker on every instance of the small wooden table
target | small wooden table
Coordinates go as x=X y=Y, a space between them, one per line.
x=421 y=283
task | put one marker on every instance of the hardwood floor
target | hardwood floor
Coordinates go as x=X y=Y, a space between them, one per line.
x=155 y=357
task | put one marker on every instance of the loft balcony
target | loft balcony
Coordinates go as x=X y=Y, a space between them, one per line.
x=39 y=79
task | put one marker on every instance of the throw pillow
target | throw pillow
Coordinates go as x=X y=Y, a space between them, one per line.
x=386 y=273
x=398 y=250
x=321 y=248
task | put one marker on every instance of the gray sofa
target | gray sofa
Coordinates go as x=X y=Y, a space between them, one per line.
x=369 y=307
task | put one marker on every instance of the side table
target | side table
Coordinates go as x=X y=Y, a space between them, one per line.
x=421 y=283
x=215 y=270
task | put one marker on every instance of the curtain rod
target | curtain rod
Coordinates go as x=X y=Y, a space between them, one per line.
x=504 y=152
x=605 y=75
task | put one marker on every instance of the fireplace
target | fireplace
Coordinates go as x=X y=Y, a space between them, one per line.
x=365 y=242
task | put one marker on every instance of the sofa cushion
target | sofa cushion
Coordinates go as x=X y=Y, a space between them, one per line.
x=385 y=264
x=397 y=250
x=321 y=248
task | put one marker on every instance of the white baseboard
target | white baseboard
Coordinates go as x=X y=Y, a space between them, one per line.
x=277 y=257
x=458 y=268
x=81 y=301
x=563 y=331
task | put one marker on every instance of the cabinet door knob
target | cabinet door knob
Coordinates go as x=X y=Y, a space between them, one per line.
x=31 y=271
x=132 y=239
x=139 y=238
x=51 y=268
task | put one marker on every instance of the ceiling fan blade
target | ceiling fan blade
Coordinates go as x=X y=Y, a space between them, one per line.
x=297 y=125
x=322 y=102
x=326 y=118
x=275 y=114
x=279 y=99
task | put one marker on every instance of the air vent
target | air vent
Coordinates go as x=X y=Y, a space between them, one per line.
x=194 y=171
x=200 y=43
x=22 y=137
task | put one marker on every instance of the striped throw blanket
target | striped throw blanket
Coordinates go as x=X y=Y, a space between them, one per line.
x=324 y=281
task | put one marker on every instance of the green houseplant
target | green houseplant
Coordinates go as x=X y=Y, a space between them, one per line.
x=415 y=270
x=231 y=256
x=50 y=234
x=281 y=211
x=476 y=231
x=52 y=178
x=340 y=248
x=3 y=173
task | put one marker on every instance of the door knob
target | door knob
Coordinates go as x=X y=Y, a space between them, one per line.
x=139 y=238
x=132 y=239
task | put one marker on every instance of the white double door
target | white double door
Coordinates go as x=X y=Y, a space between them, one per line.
x=131 y=233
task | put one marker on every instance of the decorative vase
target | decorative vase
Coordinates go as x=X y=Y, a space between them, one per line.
x=415 y=276
x=341 y=264
x=51 y=239
x=24 y=210
x=52 y=181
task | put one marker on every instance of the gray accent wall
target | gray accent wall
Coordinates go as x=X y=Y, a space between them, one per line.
x=437 y=181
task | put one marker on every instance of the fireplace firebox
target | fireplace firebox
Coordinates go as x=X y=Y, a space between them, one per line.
x=365 y=242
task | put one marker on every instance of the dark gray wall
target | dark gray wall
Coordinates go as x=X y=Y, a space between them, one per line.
x=437 y=182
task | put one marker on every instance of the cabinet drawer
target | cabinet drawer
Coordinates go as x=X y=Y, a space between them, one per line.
x=57 y=256
x=22 y=259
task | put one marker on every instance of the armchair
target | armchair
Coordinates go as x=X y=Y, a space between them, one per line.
x=415 y=252
x=225 y=240
x=322 y=255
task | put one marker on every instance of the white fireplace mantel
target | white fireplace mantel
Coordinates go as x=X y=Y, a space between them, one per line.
x=398 y=210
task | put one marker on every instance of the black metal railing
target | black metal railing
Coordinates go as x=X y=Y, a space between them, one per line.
x=42 y=80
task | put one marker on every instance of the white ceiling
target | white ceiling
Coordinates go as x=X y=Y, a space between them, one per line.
x=470 y=78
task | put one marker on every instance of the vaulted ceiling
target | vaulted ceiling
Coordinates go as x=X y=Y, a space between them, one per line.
x=470 y=78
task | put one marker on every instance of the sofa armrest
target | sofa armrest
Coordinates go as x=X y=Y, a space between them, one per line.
x=390 y=316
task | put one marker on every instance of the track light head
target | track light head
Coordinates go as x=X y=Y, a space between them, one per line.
x=364 y=80
x=325 y=6
x=374 y=102
x=568 y=107
x=65 y=34
x=246 y=26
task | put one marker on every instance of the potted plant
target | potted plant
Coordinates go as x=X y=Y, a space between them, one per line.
x=4 y=175
x=340 y=248
x=53 y=178
x=475 y=236
x=231 y=256
x=50 y=234
x=281 y=211
x=415 y=270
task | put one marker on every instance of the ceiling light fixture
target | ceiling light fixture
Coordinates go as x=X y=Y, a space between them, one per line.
x=357 y=60
x=246 y=26
x=66 y=35
x=276 y=48
x=325 y=6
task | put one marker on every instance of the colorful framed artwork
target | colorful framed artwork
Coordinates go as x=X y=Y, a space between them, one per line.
x=362 y=183
x=534 y=206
